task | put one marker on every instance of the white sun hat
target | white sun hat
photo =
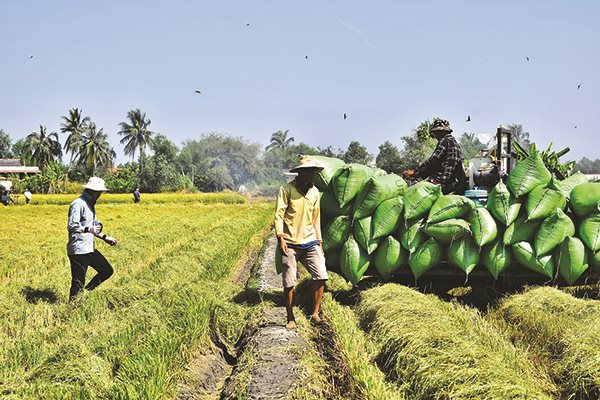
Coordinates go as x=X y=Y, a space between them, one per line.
x=96 y=184
x=307 y=162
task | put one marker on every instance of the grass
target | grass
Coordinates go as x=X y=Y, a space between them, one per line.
x=147 y=198
x=561 y=331
x=442 y=350
x=353 y=351
x=132 y=337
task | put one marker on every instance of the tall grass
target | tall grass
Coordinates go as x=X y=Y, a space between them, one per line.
x=147 y=198
x=355 y=351
x=446 y=351
x=131 y=338
x=562 y=331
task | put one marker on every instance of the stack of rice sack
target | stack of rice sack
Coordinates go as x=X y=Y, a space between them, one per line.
x=372 y=220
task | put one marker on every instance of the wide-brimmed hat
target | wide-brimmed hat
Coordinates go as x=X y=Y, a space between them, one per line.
x=440 y=125
x=96 y=184
x=307 y=162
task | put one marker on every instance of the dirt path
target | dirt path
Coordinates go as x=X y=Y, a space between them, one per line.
x=275 y=349
x=268 y=364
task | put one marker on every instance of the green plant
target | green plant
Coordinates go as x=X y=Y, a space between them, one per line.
x=550 y=158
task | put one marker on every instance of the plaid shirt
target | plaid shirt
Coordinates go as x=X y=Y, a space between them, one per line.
x=442 y=163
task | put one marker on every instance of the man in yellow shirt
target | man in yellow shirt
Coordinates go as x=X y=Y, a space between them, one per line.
x=298 y=229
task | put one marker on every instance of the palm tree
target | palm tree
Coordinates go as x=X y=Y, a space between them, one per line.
x=75 y=126
x=95 y=151
x=136 y=135
x=42 y=147
x=280 y=140
x=519 y=135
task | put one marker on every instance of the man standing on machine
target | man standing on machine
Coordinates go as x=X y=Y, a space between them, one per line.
x=445 y=166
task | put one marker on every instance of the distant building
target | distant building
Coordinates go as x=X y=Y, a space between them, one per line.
x=14 y=166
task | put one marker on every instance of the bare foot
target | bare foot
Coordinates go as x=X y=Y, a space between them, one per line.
x=315 y=319
x=291 y=325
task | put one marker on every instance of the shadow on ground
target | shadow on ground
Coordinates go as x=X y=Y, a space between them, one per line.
x=34 y=296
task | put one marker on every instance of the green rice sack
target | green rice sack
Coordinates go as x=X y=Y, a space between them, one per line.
x=585 y=199
x=364 y=236
x=528 y=174
x=552 y=232
x=571 y=259
x=425 y=257
x=330 y=206
x=389 y=257
x=349 y=181
x=543 y=201
x=377 y=190
x=595 y=259
x=503 y=205
x=419 y=198
x=332 y=261
x=411 y=234
x=464 y=254
x=569 y=183
x=336 y=232
x=449 y=230
x=496 y=256
x=330 y=167
x=354 y=261
x=449 y=206
x=521 y=230
x=589 y=232
x=387 y=218
x=525 y=255
x=483 y=226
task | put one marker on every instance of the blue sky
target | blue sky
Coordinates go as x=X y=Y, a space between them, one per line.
x=387 y=64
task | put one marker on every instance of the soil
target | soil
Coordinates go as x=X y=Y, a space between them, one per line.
x=275 y=370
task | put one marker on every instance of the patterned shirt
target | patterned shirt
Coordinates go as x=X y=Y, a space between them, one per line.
x=298 y=216
x=442 y=163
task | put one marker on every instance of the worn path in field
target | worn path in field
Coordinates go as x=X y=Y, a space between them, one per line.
x=275 y=349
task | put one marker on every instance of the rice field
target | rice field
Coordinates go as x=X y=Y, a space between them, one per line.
x=132 y=337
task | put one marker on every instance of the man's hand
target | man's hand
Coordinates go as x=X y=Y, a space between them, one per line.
x=283 y=245
x=409 y=173
x=94 y=229
x=110 y=240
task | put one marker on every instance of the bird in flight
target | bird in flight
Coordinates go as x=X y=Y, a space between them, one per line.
x=197 y=91
x=306 y=57
x=575 y=126
x=578 y=86
x=527 y=58
x=247 y=24
x=345 y=116
x=468 y=118
x=30 y=57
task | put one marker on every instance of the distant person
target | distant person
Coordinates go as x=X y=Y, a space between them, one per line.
x=4 y=197
x=298 y=229
x=27 y=195
x=136 y=195
x=83 y=228
x=445 y=165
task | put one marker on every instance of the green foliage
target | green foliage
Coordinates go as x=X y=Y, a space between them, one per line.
x=389 y=159
x=5 y=145
x=587 y=166
x=123 y=181
x=136 y=135
x=549 y=157
x=470 y=145
x=418 y=146
x=357 y=153
x=520 y=136
x=280 y=140
x=95 y=151
x=42 y=148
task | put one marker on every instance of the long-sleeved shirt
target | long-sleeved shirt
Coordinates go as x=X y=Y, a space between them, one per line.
x=82 y=214
x=442 y=163
x=298 y=216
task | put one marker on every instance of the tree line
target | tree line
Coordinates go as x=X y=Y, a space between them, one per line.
x=211 y=162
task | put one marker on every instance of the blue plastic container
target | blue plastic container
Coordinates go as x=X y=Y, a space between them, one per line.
x=478 y=196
